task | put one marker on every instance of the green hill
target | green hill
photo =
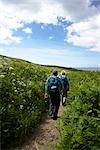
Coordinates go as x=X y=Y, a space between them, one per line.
x=22 y=104
x=22 y=97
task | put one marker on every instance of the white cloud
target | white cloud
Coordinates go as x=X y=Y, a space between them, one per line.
x=42 y=27
x=15 y=14
x=78 y=9
x=7 y=37
x=28 y=30
x=50 y=37
x=85 y=34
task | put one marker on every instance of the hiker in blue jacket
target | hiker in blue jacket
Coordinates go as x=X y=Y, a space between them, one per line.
x=65 y=83
x=53 y=87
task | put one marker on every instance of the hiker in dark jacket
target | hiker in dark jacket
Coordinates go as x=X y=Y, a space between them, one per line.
x=65 y=83
x=53 y=87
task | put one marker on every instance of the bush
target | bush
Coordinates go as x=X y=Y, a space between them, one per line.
x=22 y=98
x=80 y=123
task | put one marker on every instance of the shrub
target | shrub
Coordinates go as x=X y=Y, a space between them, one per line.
x=22 y=98
x=80 y=124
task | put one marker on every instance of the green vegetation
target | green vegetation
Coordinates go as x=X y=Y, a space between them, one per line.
x=22 y=98
x=22 y=104
x=80 y=124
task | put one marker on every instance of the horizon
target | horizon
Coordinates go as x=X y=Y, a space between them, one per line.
x=48 y=65
x=51 y=32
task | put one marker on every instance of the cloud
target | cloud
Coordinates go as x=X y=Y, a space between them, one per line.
x=7 y=37
x=78 y=9
x=84 y=31
x=42 y=27
x=15 y=15
x=28 y=30
x=50 y=37
x=85 y=34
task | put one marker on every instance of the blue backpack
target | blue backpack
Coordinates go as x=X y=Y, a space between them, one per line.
x=64 y=81
x=53 y=84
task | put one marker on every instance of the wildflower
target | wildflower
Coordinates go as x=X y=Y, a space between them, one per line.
x=1 y=66
x=15 y=91
x=20 y=83
x=9 y=106
x=2 y=76
x=24 y=84
x=6 y=130
x=5 y=63
x=12 y=74
x=11 y=68
x=21 y=106
x=13 y=80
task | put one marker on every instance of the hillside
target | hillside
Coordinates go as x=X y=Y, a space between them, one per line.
x=22 y=105
x=22 y=98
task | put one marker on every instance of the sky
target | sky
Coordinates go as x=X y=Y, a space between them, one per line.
x=51 y=32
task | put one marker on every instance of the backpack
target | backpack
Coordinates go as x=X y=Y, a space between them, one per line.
x=64 y=81
x=53 y=84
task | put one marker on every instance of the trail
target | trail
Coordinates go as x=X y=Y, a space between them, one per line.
x=45 y=136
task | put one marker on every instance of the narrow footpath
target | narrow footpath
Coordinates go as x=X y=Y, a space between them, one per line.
x=46 y=135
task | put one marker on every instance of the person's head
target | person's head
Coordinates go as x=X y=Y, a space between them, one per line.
x=55 y=72
x=63 y=73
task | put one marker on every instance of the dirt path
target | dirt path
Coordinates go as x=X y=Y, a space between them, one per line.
x=45 y=136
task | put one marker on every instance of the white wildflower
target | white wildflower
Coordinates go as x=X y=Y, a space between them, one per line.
x=6 y=130
x=21 y=106
x=11 y=68
x=1 y=66
x=2 y=76
x=12 y=74
x=15 y=91
x=13 y=80
x=9 y=106
x=5 y=63
x=24 y=84
x=20 y=83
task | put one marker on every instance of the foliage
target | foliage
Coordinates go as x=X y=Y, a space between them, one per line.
x=22 y=104
x=80 y=124
x=22 y=98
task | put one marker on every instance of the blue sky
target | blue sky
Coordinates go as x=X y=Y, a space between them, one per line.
x=51 y=32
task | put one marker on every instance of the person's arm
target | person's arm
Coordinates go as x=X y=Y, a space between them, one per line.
x=67 y=83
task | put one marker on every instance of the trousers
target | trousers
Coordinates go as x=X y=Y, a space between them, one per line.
x=54 y=103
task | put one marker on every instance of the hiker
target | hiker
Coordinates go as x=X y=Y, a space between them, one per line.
x=65 y=83
x=53 y=87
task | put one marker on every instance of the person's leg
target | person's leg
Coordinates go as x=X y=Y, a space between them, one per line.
x=64 y=97
x=57 y=104
x=51 y=105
